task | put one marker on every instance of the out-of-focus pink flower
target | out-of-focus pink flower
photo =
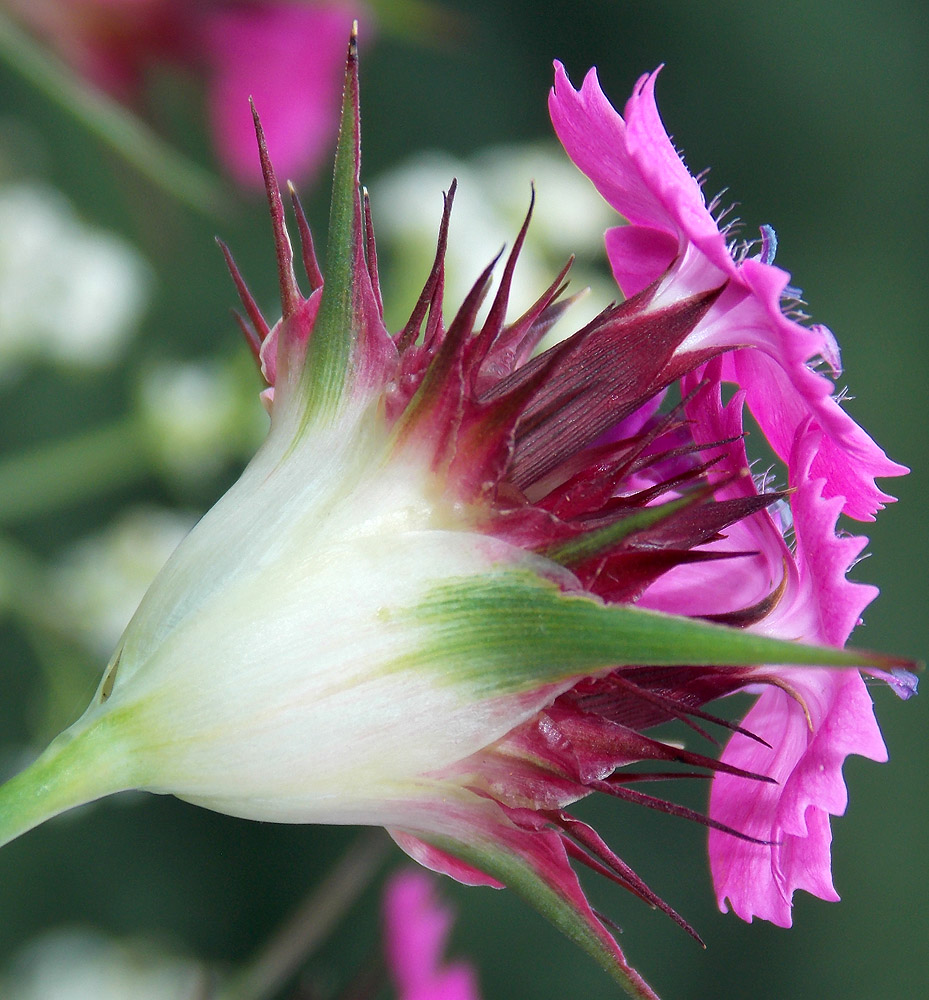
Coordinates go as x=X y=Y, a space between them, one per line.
x=416 y=928
x=673 y=242
x=287 y=56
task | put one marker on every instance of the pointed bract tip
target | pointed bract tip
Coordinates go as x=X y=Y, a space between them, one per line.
x=290 y=292
x=353 y=42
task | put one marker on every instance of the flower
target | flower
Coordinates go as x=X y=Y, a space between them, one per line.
x=416 y=608
x=82 y=964
x=287 y=56
x=804 y=725
x=416 y=927
x=69 y=293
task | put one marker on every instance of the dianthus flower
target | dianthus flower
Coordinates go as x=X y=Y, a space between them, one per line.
x=460 y=580
x=416 y=927
x=287 y=56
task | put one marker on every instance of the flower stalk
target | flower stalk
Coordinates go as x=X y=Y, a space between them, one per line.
x=81 y=765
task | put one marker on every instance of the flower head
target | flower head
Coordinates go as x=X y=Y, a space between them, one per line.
x=417 y=607
x=69 y=293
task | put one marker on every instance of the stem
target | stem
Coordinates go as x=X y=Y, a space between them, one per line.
x=78 y=767
x=312 y=922
x=122 y=131
x=54 y=475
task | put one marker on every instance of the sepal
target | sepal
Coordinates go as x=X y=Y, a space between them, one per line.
x=349 y=343
x=530 y=633
x=534 y=865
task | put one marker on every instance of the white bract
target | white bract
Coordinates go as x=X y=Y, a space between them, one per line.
x=276 y=669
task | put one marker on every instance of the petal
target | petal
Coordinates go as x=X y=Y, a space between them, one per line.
x=760 y=880
x=826 y=605
x=636 y=168
x=594 y=136
x=729 y=585
x=666 y=176
x=637 y=254
x=416 y=928
x=289 y=58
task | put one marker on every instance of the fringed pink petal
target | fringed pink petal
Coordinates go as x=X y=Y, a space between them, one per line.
x=827 y=716
x=782 y=400
x=595 y=137
x=672 y=237
x=826 y=605
x=817 y=719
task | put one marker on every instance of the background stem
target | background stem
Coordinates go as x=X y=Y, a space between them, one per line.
x=68 y=472
x=106 y=118
x=313 y=921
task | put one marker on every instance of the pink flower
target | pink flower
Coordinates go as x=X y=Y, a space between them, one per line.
x=416 y=928
x=812 y=719
x=417 y=606
x=673 y=243
x=288 y=56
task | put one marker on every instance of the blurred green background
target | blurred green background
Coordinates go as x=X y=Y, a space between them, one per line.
x=814 y=116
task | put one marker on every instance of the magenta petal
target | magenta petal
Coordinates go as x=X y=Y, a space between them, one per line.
x=817 y=717
x=638 y=254
x=713 y=588
x=290 y=59
x=812 y=726
x=848 y=459
x=760 y=880
x=667 y=177
x=827 y=605
x=415 y=933
x=673 y=238
x=594 y=136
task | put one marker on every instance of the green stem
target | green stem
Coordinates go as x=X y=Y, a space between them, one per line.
x=55 y=475
x=78 y=767
x=312 y=922
x=118 y=128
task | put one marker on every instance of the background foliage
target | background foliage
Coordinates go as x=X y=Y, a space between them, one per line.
x=814 y=116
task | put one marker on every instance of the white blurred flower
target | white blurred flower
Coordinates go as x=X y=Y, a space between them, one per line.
x=69 y=292
x=84 y=965
x=493 y=192
x=199 y=414
x=101 y=579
